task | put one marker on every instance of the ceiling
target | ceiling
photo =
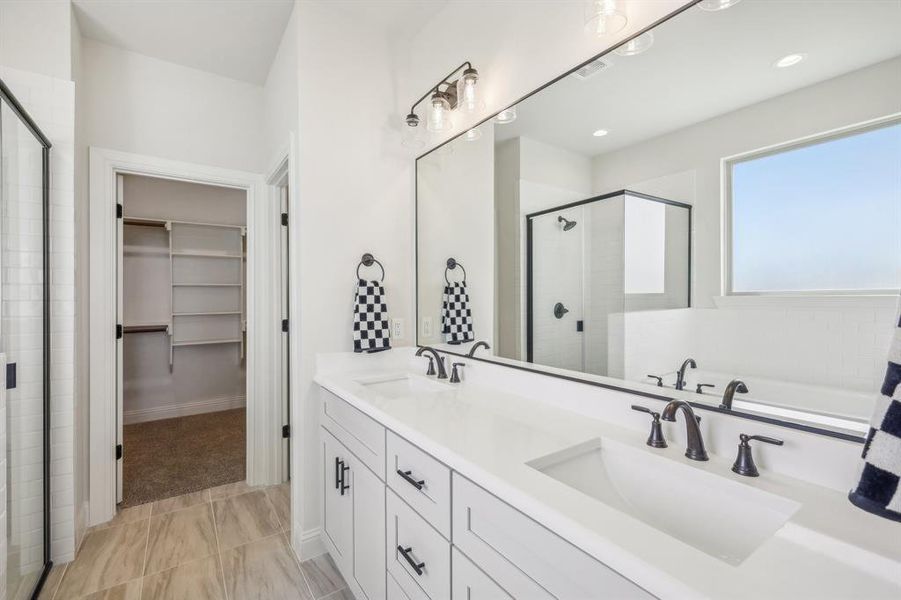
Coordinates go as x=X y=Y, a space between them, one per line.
x=234 y=38
x=705 y=64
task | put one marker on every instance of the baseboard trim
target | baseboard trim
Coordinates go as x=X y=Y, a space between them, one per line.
x=309 y=544
x=184 y=409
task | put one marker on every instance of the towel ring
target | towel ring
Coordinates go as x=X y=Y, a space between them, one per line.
x=367 y=261
x=451 y=265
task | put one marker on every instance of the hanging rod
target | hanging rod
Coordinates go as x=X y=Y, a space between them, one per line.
x=145 y=328
x=144 y=223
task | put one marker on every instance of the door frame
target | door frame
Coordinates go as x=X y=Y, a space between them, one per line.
x=262 y=419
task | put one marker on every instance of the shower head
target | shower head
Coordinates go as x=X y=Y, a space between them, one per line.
x=567 y=224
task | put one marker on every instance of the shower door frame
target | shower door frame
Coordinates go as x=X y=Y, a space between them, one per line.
x=7 y=97
x=607 y=196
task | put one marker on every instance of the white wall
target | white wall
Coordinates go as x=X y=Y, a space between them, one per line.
x=456 y=219
x=280 y=107
x=672 y=164
x=35 y=36
x=139 y=104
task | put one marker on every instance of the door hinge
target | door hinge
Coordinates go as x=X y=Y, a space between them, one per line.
x=286 y=431
x=10 y=376
x=118 y=331
x=285 y=219
x=118 y=451
x=285 y=325
x=118 y=210
x=580 y=325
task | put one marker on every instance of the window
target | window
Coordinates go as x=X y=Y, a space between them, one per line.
x=824 y=216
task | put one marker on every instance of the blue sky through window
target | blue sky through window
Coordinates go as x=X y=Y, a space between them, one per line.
x=821 y=217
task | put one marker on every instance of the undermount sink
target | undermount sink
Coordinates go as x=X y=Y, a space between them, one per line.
x=714 y=514
x=397 y=386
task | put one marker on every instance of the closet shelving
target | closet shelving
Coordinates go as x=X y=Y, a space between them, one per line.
x=207 y=272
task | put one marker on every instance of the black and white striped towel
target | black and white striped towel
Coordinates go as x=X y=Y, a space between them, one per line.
x=456 y=316
x=879 y=491
x=370 y=318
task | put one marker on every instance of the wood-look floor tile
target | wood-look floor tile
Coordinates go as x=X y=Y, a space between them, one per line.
x=125 y=591
x=322 y=575
x=180 y=502
x=107 y=558
x=344 y=594
x=263 y=570
x=124 y=516
x=280 y=496
x=52 y=582
x=196 y=580
x=179 y=537
x=243 y=519
x=230 y=489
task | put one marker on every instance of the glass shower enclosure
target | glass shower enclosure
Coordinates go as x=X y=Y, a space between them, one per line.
x=591 y=263
x=24 y=351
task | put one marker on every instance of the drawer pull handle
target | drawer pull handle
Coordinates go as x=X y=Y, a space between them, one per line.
x=406 y=476
x=405 y=552
x=344 y=470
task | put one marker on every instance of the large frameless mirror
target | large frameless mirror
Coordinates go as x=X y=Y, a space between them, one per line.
x=711 y=212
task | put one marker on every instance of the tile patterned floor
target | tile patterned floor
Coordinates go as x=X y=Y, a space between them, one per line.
x=225 y=543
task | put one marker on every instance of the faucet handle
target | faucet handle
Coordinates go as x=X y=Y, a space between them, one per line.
x=455 y=374
x=431 y=369
x=655 y=439
x=659 y=381
x=700 y=387
x=744 y=462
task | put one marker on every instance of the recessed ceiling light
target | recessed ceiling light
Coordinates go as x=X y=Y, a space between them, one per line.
x=715 y=5
x=636 y=45
x=507 y=115
x=600 y=133
x=789 y=60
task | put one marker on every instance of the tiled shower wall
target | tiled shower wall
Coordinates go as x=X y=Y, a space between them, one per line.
x=51 y=103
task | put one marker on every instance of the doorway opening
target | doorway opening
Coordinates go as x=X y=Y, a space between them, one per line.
x=182 y=343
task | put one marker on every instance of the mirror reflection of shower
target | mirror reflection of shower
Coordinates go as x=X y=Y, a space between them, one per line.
x=567 y=224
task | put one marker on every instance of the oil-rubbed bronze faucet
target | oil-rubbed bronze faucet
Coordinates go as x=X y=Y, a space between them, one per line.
x=476 y=346
x=695 y=448
x=680 y=374
x=439 y=362
x=736 y=385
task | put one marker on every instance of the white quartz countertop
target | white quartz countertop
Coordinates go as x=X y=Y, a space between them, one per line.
x=827 y=549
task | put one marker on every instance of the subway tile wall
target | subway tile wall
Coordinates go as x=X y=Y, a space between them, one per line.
x=51 y=103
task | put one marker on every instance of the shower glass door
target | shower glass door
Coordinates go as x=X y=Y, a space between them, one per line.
x=24 y=433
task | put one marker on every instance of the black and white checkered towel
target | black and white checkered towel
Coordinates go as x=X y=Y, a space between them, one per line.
x=878 y=490
x=370 y=318
x=456 y=316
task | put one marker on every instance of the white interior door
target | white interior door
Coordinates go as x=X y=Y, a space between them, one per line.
x=120 y=319
x=285 y=358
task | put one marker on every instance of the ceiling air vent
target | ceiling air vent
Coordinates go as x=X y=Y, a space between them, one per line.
x=592 y=68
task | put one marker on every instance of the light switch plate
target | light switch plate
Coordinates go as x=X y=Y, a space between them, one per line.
x=427 y=327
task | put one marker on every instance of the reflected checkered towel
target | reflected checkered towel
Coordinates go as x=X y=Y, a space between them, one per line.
x=879 y=491
x=370 y=318
x=456 y=316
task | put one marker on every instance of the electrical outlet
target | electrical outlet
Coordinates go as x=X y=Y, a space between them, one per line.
x=427 y=328
x=397 y=328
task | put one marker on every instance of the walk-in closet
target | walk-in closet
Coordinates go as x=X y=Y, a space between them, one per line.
x=182 y=306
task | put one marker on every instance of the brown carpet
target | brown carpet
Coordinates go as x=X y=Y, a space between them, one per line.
x=171 y=457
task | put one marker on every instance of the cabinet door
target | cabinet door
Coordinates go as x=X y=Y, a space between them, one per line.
x=337 y=507
x=368 y=493
x=468 y=582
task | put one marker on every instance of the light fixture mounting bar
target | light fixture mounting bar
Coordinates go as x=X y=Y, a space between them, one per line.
x=435 y=88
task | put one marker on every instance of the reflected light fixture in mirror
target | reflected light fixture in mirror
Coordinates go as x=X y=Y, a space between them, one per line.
x=714 y=5
x=636 y=45
x=439 y=118
x=789 y=60
x=473 y=134
x=600 y=133
x=508 y=115
x=604 y=17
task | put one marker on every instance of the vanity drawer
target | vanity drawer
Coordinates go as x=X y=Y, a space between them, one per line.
x=425 y=548
x=524 y=557
x=424 y=485
x=359 y=433
x=395 y=592
x=470 y=583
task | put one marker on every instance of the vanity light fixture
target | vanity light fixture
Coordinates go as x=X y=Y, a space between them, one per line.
x=473 y=134
x=508 y=115
x=789 y=60
x=604 y=17
x=636 y=45
x=600 y=133
x=444 y=97
x=715 y=5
